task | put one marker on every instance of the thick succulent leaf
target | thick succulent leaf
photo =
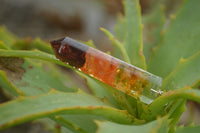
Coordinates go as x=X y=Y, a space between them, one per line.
x=69 y=125
x=52 y=126
x=55 y=103
x=192 y=129
x=2 y=45
x=79 y=123
x=157 y=126
x=158 y=105
x=181 y=40
x=196 y=85
x=153 y=28
x=187 y=73
x=5 y=83
x=36 y=80
x=28 y=44
x=35 y=54
x=11 y=41
x=133 y=39
x=7 y=37
x=176 y=110
x=120 y=28
x=41 y=45
x=30 y=78
x=125 y=101
x=120 y=33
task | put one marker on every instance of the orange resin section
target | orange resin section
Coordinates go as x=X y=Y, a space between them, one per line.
x=101 y=66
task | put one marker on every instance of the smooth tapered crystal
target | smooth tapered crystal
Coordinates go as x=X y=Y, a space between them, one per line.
x=110 y=70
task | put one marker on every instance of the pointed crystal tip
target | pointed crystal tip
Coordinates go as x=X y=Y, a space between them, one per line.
x=57 y=42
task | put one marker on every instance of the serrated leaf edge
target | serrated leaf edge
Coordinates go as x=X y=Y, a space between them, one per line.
x=182 y=61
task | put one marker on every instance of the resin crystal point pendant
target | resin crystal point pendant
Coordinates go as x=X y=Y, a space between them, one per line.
x=110 y=70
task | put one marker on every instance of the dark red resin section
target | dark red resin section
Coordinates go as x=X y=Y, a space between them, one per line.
x=70 y=51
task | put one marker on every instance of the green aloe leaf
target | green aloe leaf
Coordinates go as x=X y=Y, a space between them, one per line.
x=36 y=80
x=11 y=41
x=125 y=101
x=30 y=78
x=191 y=129
x=69 y=125
x=40 y=81
x=28 y=44
x=7 y=37
x=196 y=85
x=175 y=112
x=35 y=54
x=153 y=28
x=52 y=126
x=187 y=73
x=41 y=45
x=133 y=40
x=120 y=28
x=2 y=45
x=79 y=123
x=55 y=103
x=157 y=126
x=180 y=40
x=7 y=85
x=158 y=105
x=120 y=33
